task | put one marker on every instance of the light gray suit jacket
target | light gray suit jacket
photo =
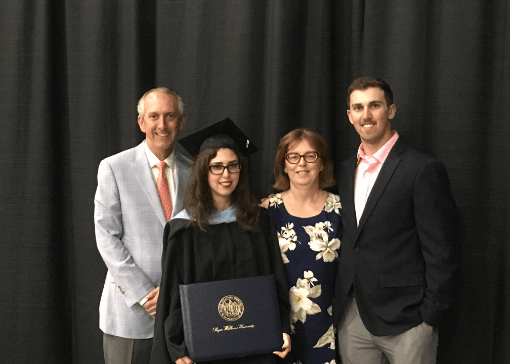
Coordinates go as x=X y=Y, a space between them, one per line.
x=129 y=224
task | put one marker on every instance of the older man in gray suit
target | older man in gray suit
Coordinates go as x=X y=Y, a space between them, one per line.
x=138 y=191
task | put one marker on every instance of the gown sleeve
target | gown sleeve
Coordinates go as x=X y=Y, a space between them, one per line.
x=282 y=289
x=168 y=343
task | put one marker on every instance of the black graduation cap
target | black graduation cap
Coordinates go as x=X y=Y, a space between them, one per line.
x=224 y=133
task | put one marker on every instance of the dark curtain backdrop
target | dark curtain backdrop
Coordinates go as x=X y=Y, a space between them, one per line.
x=71 y=73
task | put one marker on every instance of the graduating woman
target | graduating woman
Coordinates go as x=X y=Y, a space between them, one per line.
x=222 y=234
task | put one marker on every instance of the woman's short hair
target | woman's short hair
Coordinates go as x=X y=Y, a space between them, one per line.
x=282 y=182
x=198 y=200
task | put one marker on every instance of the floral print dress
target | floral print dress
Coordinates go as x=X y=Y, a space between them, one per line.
x=309 y=248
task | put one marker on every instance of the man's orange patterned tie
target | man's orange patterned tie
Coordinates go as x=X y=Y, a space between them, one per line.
x=164 y=191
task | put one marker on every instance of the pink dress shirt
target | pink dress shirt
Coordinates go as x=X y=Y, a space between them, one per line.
x=367 y=172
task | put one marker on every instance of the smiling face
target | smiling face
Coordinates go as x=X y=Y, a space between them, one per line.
x=371 y=116
x=161 y=123
x=303 y=173
x=222 y=185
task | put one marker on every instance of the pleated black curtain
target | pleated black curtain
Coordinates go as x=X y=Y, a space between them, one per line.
x=71 y=73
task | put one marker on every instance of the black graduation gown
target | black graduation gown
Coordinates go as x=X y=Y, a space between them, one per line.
x=227 y=252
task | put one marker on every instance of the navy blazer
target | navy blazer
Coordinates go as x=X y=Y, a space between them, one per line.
x=402 y=257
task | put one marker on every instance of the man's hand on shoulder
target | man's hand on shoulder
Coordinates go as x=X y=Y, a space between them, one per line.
x=265 y=201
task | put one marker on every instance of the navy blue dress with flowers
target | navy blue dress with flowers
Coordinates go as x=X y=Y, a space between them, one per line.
x=309 y=248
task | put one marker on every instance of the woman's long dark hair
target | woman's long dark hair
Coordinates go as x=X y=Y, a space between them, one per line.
x=198 y=200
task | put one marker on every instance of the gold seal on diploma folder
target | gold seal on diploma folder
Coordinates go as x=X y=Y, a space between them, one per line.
x=231 y=308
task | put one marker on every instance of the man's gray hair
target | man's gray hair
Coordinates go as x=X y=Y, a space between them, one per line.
x=141 y=103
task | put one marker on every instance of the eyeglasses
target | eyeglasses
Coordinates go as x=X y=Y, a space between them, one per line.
x=294 y=158
x=219 y=168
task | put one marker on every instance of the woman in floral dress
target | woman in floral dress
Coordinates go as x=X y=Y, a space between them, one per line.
x=309 y=231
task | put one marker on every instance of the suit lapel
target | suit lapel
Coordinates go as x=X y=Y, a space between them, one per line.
x=144 y=178
x=389 y=166
x=348 y=209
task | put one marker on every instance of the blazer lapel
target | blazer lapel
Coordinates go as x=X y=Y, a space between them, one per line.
x=381 y=182
x=347 y=198
x=143 y=175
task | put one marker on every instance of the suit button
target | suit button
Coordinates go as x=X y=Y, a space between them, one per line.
x=356 y=250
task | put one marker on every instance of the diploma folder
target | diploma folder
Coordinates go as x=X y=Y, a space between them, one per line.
x=231 y=318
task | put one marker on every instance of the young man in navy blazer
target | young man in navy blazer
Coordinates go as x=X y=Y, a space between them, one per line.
x=398 y=256
x=129 y=222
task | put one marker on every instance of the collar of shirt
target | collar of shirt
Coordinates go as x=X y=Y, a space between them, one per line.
x=217 y=216
x=367 y=172
x=379 y=156
x=153 y=160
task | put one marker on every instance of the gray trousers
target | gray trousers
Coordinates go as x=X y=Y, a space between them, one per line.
x=119 y=350
x=357 y=346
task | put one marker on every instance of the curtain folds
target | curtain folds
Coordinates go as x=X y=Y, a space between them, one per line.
x=71 y=73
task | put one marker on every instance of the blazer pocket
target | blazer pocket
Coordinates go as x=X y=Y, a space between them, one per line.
x=402 y=280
